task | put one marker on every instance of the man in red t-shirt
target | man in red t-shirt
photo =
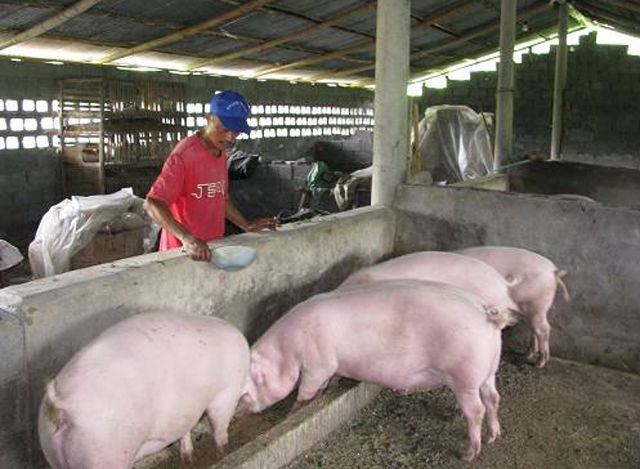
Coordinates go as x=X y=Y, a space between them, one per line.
x=189 y=199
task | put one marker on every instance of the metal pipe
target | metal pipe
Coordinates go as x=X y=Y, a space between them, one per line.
x=391 y=103
x=560 y=81
x=504 y=101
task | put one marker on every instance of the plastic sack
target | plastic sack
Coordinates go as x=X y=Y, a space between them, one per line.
x=70 y=225
x=9 y=255
x=455 y=144
x=241 y=165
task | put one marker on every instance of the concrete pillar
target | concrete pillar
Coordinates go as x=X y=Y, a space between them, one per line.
x=391 y=104
x=504 y=93
x=560 y=81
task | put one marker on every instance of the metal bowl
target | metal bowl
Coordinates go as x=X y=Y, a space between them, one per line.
x=234 y=257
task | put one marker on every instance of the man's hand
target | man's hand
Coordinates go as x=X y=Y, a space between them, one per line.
x=265 y=223
x=196 y=249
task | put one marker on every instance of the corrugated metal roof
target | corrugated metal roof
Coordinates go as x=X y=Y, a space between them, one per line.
x=443 y=31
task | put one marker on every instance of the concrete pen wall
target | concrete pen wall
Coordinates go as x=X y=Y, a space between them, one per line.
x=46 y=321
x=598 y=245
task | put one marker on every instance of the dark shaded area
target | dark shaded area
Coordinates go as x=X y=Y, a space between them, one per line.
x=619 y=186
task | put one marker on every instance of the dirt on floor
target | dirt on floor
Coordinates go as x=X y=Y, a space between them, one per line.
x=568 y=415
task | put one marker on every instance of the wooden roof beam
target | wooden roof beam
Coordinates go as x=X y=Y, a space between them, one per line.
x=481 y=30
x=626 y=4
x=276 y=42
x=598 y=14
x=338 y=73
x=50 y=23
x=475 y=32
x=190 y=31
x=276 y=10
x=359 y=47
x=542 y=31
x=426 y=22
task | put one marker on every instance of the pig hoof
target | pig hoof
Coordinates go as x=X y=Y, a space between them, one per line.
x=296 y=407
x=494 y=436
x=221 y=451
x=542 y=363
x=469 y=455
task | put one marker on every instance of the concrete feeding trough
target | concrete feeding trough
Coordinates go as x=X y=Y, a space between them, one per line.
x=50 y=319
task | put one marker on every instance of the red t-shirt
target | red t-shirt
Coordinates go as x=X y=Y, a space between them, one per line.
x=193 y=183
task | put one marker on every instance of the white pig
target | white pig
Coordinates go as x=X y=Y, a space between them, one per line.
x=533 y=280
x=141 y=385
x=407 y=335
x=461 y=271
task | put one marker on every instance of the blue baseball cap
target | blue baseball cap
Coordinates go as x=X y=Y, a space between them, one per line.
x=232 y=109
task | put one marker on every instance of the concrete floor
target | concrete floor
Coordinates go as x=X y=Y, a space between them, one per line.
x=569 y=415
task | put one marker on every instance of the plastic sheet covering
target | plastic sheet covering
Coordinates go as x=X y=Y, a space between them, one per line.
x=9 y=255
x=70 y=225
x=455 y=144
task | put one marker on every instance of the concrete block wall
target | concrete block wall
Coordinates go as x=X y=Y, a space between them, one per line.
x=347 y=154
x=30 y=181
x=602 y=103
x=45 y=322
x=272 y=188
x=596 y=244
x=29 y=186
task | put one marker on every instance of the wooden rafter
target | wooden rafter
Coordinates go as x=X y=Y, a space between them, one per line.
x=598 y=14
x=276 y=10
x=426 y=22
x=190 y=31
x=50 y=23
x=627 y=4
x=338 y=73
x=155 y=23
x=276 y=42
x=466 y=37
x=539 y=32
x=359 y=47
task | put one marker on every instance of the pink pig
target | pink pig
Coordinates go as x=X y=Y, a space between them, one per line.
x=407 y=335
x=533 y=280
x=461 y=271
x=141 y=385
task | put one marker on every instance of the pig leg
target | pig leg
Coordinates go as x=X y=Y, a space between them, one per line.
x=312 y=382
x=186 y=448
x=537 y=312
x=491 y=400
x=473 y=409
x=542 y=330
x=219 y=413
x=533 y=345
